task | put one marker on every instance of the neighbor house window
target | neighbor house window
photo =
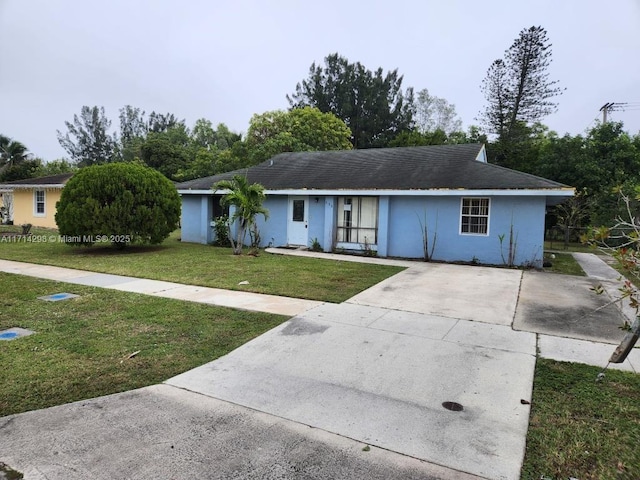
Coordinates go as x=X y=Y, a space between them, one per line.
x=357 y=220
x=39 y=203
x=475 y=216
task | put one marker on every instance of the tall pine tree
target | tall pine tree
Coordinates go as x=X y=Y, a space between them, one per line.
x=519 y=92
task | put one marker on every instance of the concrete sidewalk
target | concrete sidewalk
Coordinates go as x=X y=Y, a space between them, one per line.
x=213 y=296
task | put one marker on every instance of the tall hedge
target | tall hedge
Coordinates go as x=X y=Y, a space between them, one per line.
x=117 y=203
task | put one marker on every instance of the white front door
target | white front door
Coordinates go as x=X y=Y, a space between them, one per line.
x=298 y=221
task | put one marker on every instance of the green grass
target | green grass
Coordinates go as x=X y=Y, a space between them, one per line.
x=194 y=264
x=581 y=428
x=82 y=345
x=564 y=263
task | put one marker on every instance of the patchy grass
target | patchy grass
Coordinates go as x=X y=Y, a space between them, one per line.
x=82 y=346
x=563 y=263
x=194 y=264
x=580 y=428
x=571 y=247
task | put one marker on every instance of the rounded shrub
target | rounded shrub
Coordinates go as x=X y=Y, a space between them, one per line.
x=118 y=203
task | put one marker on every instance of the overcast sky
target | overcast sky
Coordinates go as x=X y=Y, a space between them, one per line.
x=227 y=60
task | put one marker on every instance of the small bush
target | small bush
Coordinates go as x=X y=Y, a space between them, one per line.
x=117 y=203
x=315 y=245
x=221 y=231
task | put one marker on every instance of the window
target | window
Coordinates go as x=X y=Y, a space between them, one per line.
x=298 y=211
x=475 y=216
x=39 y=203
x=357 y=220
x=217 y=209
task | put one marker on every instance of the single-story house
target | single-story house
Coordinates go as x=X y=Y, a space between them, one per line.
x=33 y=200
x=395 y=202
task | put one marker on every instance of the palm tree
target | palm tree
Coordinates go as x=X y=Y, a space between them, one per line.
x=11 y=153
x=247 y=200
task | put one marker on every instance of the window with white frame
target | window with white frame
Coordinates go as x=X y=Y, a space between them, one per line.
x=39 y=200
x=474 y=217
x=357 y=220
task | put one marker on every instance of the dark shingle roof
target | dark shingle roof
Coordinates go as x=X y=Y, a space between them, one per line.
x=407 y=168
x=59 y=179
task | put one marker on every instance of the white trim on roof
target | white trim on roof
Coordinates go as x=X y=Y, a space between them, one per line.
x=40 y=185
x=554 y=192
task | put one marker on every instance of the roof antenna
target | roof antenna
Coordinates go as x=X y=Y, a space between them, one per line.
x=271 y=163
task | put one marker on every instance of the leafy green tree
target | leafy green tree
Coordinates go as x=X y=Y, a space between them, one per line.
x=204 y=164
x=247 y=200
x=88 y=140
x=371 y=104
x=167 y=151
x=415 y=138
x=434 y=113
x=120 y=203
x=472 y=135
x=298 y=130
x=204 y=135
x=597 y=164
x=55 y=167
x=210 y=151
x=30 y=168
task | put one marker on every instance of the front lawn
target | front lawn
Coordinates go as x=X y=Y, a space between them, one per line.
x=194 y=264
x=82 y=345
x=580 y=428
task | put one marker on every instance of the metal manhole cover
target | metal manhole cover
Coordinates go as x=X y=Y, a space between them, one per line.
x=453 y=406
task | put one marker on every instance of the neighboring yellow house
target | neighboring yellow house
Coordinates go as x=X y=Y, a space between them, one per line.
x=34 y=199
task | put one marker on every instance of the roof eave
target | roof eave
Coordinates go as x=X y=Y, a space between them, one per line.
x=556 y=192
x=24 y=186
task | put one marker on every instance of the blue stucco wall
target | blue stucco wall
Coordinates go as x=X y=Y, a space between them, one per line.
x=399 y=230
x=196 y=219
x=316 y=220
x=442 y=216
x=274 y=231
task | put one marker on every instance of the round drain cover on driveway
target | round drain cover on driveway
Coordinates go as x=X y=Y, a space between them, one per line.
x=453 y=406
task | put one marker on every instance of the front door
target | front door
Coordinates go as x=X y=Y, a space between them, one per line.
x=298 y=221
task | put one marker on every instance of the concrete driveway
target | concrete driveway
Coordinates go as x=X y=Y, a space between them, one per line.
x=568 y=306
x=481 y=294
x=382 y=376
